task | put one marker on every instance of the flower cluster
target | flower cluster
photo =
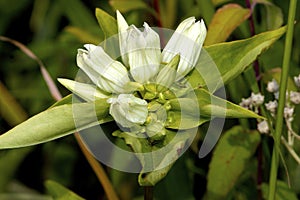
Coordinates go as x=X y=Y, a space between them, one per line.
x=145 y=72
x=292 y=99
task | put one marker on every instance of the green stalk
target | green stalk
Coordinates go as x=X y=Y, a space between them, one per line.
x=281 y=102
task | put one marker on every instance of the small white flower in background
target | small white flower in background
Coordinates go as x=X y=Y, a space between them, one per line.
x=257 y=99
x=272 y=106
x=263 y=127
x=295 y=97
x=272 y=86
x=288 y=113
x=297 y=80
x=246 y=103
x=128 y=110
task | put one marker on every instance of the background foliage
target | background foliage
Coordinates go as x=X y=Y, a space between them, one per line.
x=54 y=30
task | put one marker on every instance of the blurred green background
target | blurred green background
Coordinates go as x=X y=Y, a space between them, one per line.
x=54 y=30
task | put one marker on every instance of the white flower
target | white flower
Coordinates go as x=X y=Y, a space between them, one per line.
x=85 y=91
x=139 y=50
x=128 y=110
x=297 y=80
x=108 y=74
x=263 y=127
x=288 y=113
x=272 y=86
x=295 y=97
x=246 y=103
x=271 y=106
x=186 y=41
x=257 y=99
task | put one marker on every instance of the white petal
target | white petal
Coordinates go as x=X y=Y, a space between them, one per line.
x=85 y=91
x=143 y=50
x=187 y=41
x=128 y=110
x=122 y=30
x=122 y=24
x=106 y=73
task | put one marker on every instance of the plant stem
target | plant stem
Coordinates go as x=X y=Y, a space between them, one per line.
x=148 y=192
x=281 y=102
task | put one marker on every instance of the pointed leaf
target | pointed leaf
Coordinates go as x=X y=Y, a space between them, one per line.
x=59 y=192
x=107 y=23
x=185 y=113
x=224 y=22
x=273 y=14
x=229 y=160
x=54 y=123
x=221 y=63
x=216 y=106
x=65 y=100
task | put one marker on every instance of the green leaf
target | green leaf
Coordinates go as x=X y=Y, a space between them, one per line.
x=283 y=192
x=127 y=6
x=218 y=107
x=162 y=162
x=273 y=14
x=78 y=13
x=218 y=2
x=65 y=100
x=56 y=122
x=10 y=110
x=107 y=23
x=229 y=160
x=171 y=188
x=184 y=115
x=59 y=192
x=221 y=63
x=224 y=22
x=83 y=35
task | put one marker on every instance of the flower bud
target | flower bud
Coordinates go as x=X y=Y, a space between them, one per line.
x=295 y=97
x=257 y=99
x=273 y=86
x=167 y=74
x=271 y=106
x=108 y=74
x=139 y=50
x=186 y=41
x=85 y=91
x=128 y=110
x=297 y=80
x=263 y=127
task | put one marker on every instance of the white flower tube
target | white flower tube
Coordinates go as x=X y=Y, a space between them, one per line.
x=85 y=91
x=139 y=50
x=108 y=74
x=186 y=41
x=128 y=110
